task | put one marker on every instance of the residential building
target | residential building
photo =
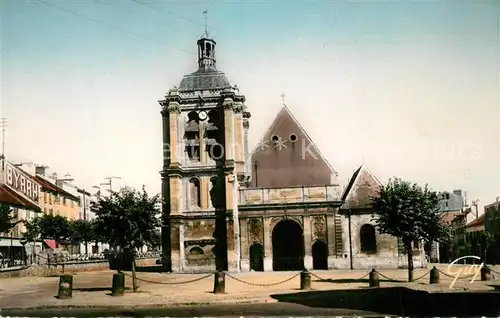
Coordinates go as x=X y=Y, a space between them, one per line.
x=21 y=192
x=55 y=200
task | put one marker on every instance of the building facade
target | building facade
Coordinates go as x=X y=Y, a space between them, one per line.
x=22 y=193
x=277 y=208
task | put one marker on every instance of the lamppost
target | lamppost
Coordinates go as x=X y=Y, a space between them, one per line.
x=350 y=233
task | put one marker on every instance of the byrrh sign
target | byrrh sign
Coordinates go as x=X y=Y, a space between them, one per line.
x=20 y=181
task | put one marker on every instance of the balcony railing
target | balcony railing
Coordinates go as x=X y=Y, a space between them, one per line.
x=290 y=195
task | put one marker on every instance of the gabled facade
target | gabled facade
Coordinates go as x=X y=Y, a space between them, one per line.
x=285 y=147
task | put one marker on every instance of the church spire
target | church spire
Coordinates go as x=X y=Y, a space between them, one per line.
x=206 y=48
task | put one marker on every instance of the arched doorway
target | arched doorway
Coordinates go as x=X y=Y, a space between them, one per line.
x=320 y=255
x=257 y=257
x=288 y=246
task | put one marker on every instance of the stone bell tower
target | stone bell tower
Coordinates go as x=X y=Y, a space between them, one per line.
x=205 y=126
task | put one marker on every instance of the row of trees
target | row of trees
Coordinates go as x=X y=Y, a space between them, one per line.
x=127 y=219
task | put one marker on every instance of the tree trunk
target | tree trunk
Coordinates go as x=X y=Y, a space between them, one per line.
x=134 y=283
x=409 y=252
x=86 y=248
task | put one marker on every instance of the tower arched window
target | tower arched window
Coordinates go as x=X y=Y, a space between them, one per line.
x=210 y=186
x=192 y=137
x=194 y=192
x=214 y=136
x=368 y=239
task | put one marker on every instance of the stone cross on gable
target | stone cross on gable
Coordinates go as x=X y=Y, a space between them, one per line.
x=282 y=98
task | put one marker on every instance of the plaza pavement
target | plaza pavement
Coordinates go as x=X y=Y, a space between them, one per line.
x=92 y=289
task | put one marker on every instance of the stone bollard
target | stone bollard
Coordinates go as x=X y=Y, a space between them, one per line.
x=305 y=280
x=374 y=278
x=65 y=287
x=434 y=276
x=118 y=288
x=485 y=273
x=220 y=283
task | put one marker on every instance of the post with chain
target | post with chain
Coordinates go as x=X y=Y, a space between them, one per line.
x=220 y=282
x=65 y=287
x=305 y=280
x=374 y=280
x=434 y=276
x=118 y=288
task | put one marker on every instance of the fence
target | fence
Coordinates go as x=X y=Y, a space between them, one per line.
x=45 y=259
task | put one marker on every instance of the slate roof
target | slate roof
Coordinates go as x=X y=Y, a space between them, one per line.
x=204 y=79
x=362 y=186
x=50 y=187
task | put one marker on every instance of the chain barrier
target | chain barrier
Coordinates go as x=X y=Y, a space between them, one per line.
x=451 y=276
x=326 y=279
x=170 y=283
x=415 y=279
x=262 y=285
x=388 y=278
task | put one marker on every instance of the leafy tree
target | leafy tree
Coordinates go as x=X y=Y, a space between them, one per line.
x=486 y=239
x=127 y=220
x=32 y=232
x=410 y=213
x=55 y=227
x=7 y=219
x=82 y=231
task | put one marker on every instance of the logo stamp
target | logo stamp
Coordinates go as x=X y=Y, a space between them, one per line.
x=473 y=269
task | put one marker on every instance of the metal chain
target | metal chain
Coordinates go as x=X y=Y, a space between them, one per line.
x=262 y=285
x=388 y=278
x=415 y=279
x=170 y=283
x=325 y=279
x=450 y=276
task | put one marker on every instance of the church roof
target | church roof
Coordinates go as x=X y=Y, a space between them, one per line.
x=286 y=112
x=204 y=79
x=361 y=187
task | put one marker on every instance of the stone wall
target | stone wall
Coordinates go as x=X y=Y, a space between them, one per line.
x=68 y=268
x=386 y=255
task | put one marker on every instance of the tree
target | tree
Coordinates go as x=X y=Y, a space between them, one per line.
x=127 y=220
x=55 y=227
x=32 y=232
x=486 y=239
x=82 y=231
x=410 y=213
x=7 y=219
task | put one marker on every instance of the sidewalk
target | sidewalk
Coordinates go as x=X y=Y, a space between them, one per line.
x=92 y=289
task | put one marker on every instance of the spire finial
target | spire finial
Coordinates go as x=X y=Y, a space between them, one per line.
x=283 y=98
x=205 y=14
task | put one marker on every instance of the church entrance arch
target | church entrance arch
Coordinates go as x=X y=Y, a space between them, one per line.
x=320 y=255
x=257 y=257
x=288 y=246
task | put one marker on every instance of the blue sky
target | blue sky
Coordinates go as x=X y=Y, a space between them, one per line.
x=409 y=88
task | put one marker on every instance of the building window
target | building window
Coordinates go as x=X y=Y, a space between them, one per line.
x=64 y=201
x=72 y=203
x=44 y=210
x=51 y=211
x=368 y=239
x=50 y=198
x=44 y=197
x=194 y=192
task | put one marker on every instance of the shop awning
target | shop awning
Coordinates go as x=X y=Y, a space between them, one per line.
x=50 y=243
x=8 y=242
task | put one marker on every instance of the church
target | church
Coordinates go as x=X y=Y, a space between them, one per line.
x=278 y=207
